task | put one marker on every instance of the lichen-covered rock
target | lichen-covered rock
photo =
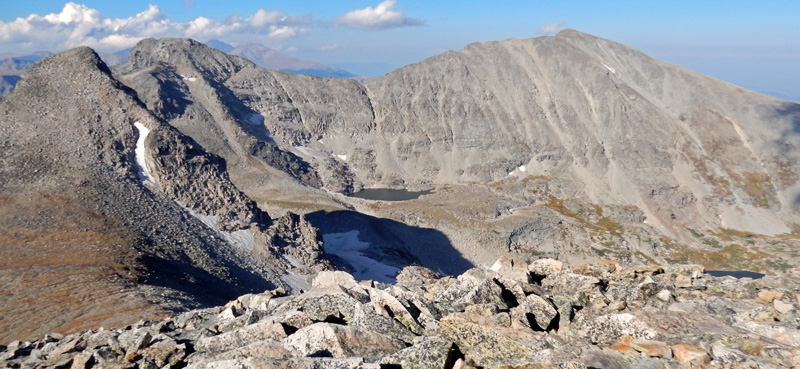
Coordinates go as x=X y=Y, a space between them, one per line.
x=338 y=341
x=510 y=269
x=322 y=304
x=164 y=351
x=290 y=363
x=545 y=267
x=262 y=349
x=687 y=353
x=385 y=303
x=263 y=330
x=652 y=348
x=607 y=329
x=416 y=275
x=344 y=280
x=427 y=353
x=569 y=283
x=490 y=345
x=535 y=312
x=479 y=319
x=366 y=319
x=475 y=286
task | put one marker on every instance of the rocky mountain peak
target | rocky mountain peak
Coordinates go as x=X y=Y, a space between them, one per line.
x=186 y=53
x=78 y=216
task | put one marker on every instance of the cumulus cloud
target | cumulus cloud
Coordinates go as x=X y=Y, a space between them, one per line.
x=329 y=47
x=551 y=28
x=382 y=16
x=78 y=25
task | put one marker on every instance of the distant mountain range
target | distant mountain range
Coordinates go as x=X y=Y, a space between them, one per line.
x=12 y=65
x=271 y=59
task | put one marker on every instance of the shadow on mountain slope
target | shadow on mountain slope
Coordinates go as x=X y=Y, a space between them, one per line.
x=395 y=243
x=791 y=112
x=195 y=286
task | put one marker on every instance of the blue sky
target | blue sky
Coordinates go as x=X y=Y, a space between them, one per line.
x=755 y=44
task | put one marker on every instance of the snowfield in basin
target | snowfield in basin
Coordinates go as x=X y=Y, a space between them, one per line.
x=348 y=247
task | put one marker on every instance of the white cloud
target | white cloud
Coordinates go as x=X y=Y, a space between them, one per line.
x=284 y=32
x=78 y=25
x=263 y=18
x=292 y=49
x=329 y=47
x=551 y=28
x=380 y=17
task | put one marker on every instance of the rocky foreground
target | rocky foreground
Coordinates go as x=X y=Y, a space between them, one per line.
x=509 y=316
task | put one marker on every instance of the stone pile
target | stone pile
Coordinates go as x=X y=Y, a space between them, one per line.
x=511 y=315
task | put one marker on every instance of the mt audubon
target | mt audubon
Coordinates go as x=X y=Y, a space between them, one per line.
x=154 y=182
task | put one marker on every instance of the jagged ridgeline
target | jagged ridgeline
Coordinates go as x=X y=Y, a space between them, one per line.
x=145 y=189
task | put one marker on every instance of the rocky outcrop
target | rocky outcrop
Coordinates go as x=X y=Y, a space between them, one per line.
x=601 y=315
x=293 y=238
x=83 y=227
x=199 y=181
x=242 y=112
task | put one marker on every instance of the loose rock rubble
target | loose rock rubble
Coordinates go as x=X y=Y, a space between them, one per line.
x=513 y=315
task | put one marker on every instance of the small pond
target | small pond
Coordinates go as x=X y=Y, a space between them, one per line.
x=735 y=273
x=387 y=194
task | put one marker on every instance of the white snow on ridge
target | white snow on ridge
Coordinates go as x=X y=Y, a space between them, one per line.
x=139 y=153
x=612 y=70
x=342 y=157
x=348 y=247
x=520 y=169
x=190 y=79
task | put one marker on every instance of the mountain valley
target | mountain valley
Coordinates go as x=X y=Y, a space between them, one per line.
x=185 y=177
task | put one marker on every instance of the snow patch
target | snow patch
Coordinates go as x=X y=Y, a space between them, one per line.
x=243 y=239
x=302 y=150
x=612 y=70
x=141 y=164
x=348 y=247
x=520 y=169
x=295 y=263
x=296 y=282
x=256 y=119
x=342 y=157
x=190 y=79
